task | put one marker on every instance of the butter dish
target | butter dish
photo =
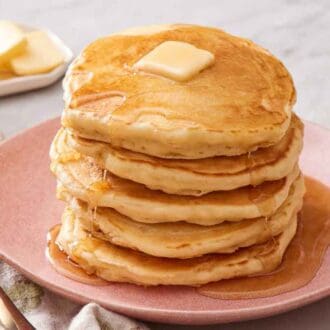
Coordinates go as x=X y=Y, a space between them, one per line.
x=19 y=84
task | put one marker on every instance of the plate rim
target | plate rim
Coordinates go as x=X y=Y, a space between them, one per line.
x=219 y=317
x=176 y=316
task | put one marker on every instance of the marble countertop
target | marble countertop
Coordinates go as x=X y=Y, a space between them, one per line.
x=296 y=31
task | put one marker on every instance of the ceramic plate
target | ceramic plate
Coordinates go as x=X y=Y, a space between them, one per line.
x=28 y=208
x=26 y=83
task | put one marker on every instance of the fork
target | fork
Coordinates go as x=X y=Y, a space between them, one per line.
x=10 y=316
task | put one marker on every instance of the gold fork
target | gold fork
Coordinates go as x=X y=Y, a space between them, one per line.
x=10 y=316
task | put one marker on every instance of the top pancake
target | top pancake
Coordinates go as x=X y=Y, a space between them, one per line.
x=241 y=102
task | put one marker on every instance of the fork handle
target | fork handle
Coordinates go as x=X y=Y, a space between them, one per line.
x=17 y=317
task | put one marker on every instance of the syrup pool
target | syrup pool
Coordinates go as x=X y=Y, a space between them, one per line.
x=301 y=261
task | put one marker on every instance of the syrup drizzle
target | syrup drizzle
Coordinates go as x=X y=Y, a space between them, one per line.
x=300 y=264
x=64 y=265
x=98 y=188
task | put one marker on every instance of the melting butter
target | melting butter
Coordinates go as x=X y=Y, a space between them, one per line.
x=175 y=60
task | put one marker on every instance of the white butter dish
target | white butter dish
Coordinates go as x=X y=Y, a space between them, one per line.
x=26 y=83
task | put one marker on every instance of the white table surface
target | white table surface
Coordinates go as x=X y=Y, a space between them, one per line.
x=296 y=31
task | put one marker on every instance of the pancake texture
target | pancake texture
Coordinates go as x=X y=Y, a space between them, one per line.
x=240 y=103
x=200 y=176
x=85 y=180
x=177 y=159
x=181 y=239
x=118 y=264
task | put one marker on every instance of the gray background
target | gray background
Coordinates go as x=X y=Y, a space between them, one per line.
x=298 y=32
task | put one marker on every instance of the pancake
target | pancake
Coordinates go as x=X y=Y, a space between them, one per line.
x=199 y=176
x=181 y=239
x=118 y=264
x=240 y=102
x=83 y=179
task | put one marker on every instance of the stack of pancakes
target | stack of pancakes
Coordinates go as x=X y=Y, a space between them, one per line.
x=177 y=182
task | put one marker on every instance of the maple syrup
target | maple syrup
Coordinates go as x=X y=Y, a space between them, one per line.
x=300 y=264
x=64 y=265
x=301 y=261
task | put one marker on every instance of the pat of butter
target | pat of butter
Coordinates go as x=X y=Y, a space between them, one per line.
x=12 y=41
x=175 y=60
x=41 y=55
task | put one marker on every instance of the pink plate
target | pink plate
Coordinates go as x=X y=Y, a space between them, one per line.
x=28 y=208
